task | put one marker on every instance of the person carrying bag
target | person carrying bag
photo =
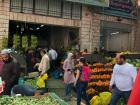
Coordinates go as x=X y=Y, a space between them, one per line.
x=82 y=79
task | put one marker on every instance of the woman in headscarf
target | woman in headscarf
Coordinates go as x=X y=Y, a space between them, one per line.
x=69 y=78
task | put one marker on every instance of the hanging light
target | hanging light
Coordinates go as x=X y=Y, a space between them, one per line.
x=17 y=26
x=42 y=26
x=37 y=28
x=31 y=29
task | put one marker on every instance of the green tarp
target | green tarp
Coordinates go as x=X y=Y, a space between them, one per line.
x=103 y=3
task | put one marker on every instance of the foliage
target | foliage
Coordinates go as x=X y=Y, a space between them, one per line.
x=4 y=42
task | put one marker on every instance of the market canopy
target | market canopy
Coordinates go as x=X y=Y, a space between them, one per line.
x=103 y=3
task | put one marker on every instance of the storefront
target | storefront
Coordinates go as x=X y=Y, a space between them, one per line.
x=117 y=30
x=90 y=22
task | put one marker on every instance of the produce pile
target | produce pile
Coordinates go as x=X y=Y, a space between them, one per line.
x=100 y=78
x=6 y=100
x=134 y=62
x=31 y=82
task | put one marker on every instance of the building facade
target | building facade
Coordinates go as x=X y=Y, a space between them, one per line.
x=92 y=25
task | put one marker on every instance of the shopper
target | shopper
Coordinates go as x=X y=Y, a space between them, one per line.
x=10 y=71
x=69 y=78
x=53 y=58
x=44 y=65
x=30 y=60
x=82 y=79
x=122 y=80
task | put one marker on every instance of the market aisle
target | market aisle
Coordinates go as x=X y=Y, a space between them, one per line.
x=57 y=86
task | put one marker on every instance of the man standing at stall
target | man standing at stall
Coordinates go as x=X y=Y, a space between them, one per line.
x=9 y=72
x=122 y=80
x=53 y=57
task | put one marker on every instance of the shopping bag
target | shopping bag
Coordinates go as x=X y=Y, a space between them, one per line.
x=105 y=98
x=95 y=101
x=41 y=81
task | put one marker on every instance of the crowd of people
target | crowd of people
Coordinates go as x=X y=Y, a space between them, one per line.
x=121 y=84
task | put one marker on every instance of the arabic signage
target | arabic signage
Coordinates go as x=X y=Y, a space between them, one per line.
x=122 y=5
x=102 y=3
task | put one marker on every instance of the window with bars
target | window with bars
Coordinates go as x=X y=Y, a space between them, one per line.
x=57 y=8
x=76 y=11
x=16 y=5
x=54 y=8
x=27 y=6
x=41 y=7
x=66 y=12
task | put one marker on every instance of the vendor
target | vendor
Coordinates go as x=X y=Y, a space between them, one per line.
x=9 y=71
x=25 y=90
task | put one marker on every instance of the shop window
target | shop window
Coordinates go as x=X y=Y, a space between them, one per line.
x=41 y=7
x=15 y=5
x=55 y=8
x=76 y=11
x=66 y=10
x=27 y=6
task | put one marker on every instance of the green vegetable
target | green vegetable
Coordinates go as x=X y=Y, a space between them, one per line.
x=16 y=41
x=4 y=42
x=34 y=41
x=6 y=100
x=24 y=41
x=31 y=82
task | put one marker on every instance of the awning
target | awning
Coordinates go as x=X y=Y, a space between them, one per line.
x=102 y=3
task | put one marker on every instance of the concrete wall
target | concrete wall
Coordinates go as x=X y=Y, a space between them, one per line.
x=4 y=19
x=137 y=35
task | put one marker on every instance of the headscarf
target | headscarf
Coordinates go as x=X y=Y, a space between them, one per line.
x=5 y=52
x=69 y=56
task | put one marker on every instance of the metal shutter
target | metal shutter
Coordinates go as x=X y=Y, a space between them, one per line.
x=55 y=8
x=27 y=6
x=67 y=10
x=41 y=7
x=15 y=5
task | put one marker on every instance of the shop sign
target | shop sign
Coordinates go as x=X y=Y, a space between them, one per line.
x=138 y=2
x=122 y=5
x=102 y=3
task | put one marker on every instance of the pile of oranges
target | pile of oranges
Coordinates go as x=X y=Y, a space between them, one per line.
x=104 y=76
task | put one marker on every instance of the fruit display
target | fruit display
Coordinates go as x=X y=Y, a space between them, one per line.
x=16 y=41
x=100 y=78
x=128 y=52
x=24 y=41
x=34 y=41
x=134 y=62
x=6 y=100
x=4 y=42
x=31 y=82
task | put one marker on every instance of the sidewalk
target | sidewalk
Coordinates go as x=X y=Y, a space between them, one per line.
x=57 y=86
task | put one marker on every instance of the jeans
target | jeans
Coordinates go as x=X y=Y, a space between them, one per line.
x=81 y=92
x=117 y=94
x=68 y=89
x=23 y=90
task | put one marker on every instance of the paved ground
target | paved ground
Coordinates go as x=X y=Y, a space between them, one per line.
x=57 y=86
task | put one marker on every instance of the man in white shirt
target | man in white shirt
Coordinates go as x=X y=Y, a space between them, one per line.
x=53 y=57
x=122 y=80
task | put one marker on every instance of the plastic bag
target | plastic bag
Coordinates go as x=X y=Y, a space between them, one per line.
x=41 y=81
x=95 y=101
x=105 y=98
